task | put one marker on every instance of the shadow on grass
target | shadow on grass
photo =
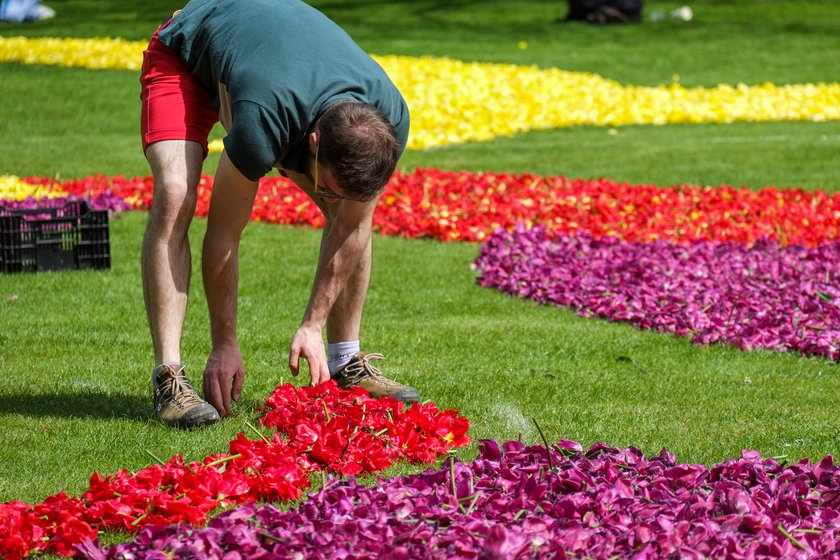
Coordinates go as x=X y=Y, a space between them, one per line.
x=79 y=405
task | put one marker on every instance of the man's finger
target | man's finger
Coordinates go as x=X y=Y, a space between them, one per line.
x=294 y=363
x=325 y=374
x=238 y=381
x=212 y=393
x=317 y=373
x=225 y=390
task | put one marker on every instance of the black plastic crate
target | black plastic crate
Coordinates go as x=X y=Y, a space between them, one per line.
x=69 y=236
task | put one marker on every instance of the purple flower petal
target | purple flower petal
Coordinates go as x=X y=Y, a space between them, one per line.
x=766 y=296
x=602 y=503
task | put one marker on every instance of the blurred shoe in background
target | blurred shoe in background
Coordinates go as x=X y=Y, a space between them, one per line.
x=17 y=11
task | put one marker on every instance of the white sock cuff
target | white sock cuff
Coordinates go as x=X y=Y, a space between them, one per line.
x=340 y=353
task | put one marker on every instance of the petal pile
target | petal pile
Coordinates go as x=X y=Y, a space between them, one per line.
x=465 y=206
x=452 y=101
x=328 y=430
x=100 y=53
x=763 y=296
x=518 y=502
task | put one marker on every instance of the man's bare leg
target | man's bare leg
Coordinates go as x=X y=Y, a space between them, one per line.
x=166 y=266
x=166 y=258
x=343 y=330
x=345 y=320
x=351 y=367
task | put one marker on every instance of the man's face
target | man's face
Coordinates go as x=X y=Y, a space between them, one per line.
x=324 y=183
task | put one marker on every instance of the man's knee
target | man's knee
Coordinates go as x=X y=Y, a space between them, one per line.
x=174 y=194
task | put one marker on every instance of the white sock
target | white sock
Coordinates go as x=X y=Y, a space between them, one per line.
x=339 y=354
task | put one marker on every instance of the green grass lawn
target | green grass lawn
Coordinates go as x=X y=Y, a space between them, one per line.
x=75 y=354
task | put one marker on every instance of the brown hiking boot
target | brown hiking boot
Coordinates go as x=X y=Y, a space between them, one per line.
x=176 y=402
x=360 y=373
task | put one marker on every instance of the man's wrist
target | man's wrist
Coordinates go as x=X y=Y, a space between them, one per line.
x=312 y=326
x=224 y=342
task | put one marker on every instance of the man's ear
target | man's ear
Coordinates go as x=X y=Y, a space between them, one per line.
x=314 y=139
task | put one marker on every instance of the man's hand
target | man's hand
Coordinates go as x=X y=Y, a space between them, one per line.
x=223 y=378
x=309 y=345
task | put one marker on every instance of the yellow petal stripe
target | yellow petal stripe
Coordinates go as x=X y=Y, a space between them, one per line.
x=12 y=188
x=453 y=101
x=95 y=54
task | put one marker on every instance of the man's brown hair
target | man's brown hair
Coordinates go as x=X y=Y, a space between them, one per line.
x=360 y=147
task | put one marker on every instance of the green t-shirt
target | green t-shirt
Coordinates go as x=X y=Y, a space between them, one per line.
x=282 y=63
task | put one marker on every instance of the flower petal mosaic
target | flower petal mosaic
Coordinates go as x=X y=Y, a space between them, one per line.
x=755 y=268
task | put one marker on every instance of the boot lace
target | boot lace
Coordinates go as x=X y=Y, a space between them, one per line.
x=356 y=372
x=175 y=388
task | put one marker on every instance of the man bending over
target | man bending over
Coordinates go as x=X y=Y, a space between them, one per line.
x=294 y=93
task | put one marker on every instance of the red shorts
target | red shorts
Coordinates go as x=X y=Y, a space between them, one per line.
x=175 y=105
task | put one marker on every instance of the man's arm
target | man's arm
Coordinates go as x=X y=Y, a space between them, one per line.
x=347 y=235
x=230 y=210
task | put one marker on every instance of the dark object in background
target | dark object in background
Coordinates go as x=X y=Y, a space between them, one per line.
x=605 y=11
x=69 y=236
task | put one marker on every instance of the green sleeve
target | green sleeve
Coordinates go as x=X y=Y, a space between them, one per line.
x=255 y=141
